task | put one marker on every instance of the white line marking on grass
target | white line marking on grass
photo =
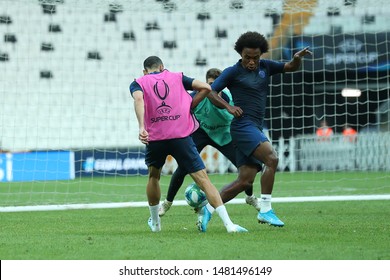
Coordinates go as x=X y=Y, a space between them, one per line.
x=183 y=202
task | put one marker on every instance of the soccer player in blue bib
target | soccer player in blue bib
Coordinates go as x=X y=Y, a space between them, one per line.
x=248 y=81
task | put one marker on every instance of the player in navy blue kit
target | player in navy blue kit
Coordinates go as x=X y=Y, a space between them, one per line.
x=248 y=81
x=214 y=130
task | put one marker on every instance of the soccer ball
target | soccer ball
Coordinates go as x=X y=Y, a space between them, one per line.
x=194 y=196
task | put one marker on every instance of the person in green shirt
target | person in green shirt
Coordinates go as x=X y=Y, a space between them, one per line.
x=214 y=130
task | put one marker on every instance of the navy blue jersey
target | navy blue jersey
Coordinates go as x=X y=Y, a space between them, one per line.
x=187 y=83
x=249 y=89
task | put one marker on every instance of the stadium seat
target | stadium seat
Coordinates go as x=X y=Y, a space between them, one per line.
x=122 y=44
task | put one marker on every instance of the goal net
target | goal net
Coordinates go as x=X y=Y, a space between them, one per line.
x=68 y=132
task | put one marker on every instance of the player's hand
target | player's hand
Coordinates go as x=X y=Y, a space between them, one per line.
x=303 y=52
x=143 y=136
x=235 y=111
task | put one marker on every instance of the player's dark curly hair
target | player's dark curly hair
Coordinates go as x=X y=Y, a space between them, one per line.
x=252 y=40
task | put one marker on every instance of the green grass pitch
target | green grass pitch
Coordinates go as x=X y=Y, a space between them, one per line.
x=325 y=230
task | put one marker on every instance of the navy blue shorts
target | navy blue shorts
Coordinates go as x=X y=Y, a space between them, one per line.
x=183 y=150
x=202 y=139
x=247 y=136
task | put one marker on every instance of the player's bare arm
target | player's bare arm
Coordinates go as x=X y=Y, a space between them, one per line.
x=221 y=103
x=203 y=90
x=295 y=63
x=139 y=111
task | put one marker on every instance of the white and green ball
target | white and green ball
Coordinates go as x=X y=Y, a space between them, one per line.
x=194 y=196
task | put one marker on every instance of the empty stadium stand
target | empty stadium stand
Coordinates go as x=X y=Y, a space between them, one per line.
x=66 y=65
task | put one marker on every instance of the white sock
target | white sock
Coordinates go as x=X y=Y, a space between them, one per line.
x=210 y=208
x=154 y=213
x=265 y=203
x=223 y=214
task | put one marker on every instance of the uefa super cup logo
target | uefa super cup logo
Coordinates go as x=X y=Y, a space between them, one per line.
x=162 y=93
x=350 y=45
